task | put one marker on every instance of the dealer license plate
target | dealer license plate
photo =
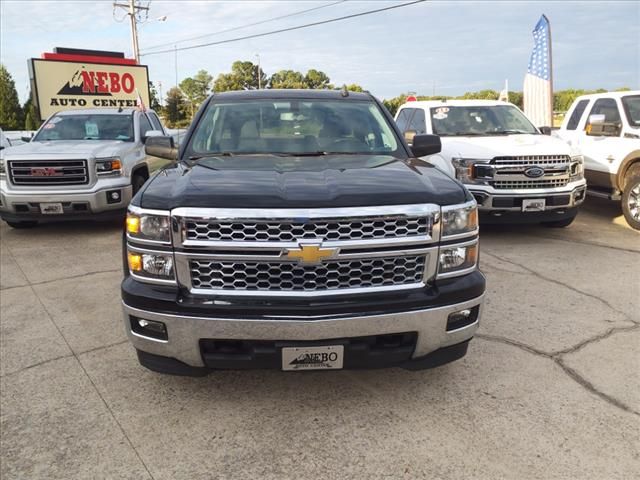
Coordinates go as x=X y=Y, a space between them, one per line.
x=328 y=357
x=51 y=208
x=533 y=204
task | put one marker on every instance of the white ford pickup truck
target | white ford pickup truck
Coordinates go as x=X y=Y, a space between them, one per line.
x=606 y=128
x=80 y=163
x=515 y=173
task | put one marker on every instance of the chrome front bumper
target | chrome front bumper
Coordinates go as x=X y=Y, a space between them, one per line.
x=489 y=198
x=185 y=332
x=95 y=197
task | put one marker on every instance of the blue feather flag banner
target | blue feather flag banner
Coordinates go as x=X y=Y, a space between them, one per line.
x=538 y=87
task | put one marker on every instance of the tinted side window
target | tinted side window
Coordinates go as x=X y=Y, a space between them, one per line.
x=577 y=114
x=608 y=108
x=403 y=118
x=145 y=125
x=418 y=123
x=155 y=121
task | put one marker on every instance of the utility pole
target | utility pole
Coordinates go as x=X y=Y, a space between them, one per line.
x=259 y=79
x=132 y=10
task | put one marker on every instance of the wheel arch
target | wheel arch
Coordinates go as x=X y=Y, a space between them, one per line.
x=633 y=158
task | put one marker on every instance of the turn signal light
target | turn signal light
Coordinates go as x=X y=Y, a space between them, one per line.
x=133 y=224
x=135 y=261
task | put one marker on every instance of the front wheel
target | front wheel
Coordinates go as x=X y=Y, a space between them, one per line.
x=631 y=201
x=29 y=224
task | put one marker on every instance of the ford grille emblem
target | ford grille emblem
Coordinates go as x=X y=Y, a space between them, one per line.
x=534 y=172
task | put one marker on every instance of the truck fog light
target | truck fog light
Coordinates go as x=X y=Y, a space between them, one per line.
x=149 y=328
x=114 y=196
x=462 y=318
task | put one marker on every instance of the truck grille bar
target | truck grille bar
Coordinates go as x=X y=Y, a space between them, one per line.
x=509 y=173
x=261 y=252
x=48 y=172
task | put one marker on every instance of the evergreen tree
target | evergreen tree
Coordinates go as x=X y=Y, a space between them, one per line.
x=10 y=111
x=175 y=107
x=31 y=117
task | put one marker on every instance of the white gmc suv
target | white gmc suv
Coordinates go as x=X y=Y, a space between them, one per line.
x=515 y=173
x=606 y=128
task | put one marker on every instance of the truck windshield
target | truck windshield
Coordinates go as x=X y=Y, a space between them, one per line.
x=631 y=106
x=293 y=128
x=480 y=120
x=87 y=127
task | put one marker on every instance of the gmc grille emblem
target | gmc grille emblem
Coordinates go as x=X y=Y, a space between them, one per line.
x=45 y=172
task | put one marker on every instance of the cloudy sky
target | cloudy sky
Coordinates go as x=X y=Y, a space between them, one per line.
x=454 y=46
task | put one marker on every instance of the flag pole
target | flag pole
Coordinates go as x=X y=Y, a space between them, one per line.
x=550 y=71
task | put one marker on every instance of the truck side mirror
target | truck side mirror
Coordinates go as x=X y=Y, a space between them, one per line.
x=26 y=139
x=152 y=133
x=161 y=146
x=596 y=119
x=545 y=130
x=597 y=126
x=424 y=145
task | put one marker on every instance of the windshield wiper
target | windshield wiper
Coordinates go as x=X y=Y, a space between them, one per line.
x=509 y=132
x=209 y=155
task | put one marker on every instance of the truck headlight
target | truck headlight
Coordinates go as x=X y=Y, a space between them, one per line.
x=459 y=220
x=109 y=166
x=3 y=173
x=471 y=171
x=151 y=265
x=148 y=226
x=457 y=259
x=577 y=167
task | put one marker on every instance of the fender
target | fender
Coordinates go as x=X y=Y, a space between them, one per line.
x=632 y=158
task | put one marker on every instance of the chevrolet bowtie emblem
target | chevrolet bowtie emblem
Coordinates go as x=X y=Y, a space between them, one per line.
x=310 y=254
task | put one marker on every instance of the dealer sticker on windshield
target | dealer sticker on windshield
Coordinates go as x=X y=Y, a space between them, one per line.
x=329 y=357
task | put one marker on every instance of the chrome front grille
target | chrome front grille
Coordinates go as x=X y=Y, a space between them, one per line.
x=291 y=277
x=48 y=172
x=288 y=231
x=517 y=184
x=305 y=251
x=527 y=160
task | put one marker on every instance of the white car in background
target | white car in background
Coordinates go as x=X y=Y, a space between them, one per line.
x=606 y=128
x=515 y=173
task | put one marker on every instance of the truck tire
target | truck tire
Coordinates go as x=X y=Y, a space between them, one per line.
x=18 y=225
x=137 y=182
x=631 y=200
x=565 y=222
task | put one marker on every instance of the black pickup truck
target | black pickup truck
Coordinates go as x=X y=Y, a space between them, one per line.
x=296 y=230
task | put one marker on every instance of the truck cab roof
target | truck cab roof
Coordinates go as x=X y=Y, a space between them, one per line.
x=453 y=103
x=287 y=94
x=98 y=111
x=625 y=93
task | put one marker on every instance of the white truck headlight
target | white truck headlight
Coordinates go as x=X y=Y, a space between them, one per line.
x=469 y=170
x=459 y=220
x=151 y=265
x=111 y=166
x=3 y=173
x=148 y=226
x=457 y=259
x=577 y=167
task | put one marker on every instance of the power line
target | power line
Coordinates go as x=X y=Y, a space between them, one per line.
x=282 y=30
x=300 y=12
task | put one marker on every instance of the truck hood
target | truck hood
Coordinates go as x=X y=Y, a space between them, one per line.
x=300 y=182
x=70 y=149
x=485 y=148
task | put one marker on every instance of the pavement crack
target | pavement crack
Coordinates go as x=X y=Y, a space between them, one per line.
x=595 y=338
x=29 y=367
x=72 y=277
x=563 y=284
x=557 y=358
x=582 y=242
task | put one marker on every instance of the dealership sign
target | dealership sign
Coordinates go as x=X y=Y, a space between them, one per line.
x=91 y=79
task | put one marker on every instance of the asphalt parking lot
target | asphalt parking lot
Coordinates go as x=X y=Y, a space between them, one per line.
x=550 y=387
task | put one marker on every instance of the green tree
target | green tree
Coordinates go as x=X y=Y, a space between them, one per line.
x=175 y=107
x=31 y=116
x=243 y=76
x=287 y=79
x=354 y=87
x=316 y=79
x=196 y=88
x=154 y=102
x=10 y=111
